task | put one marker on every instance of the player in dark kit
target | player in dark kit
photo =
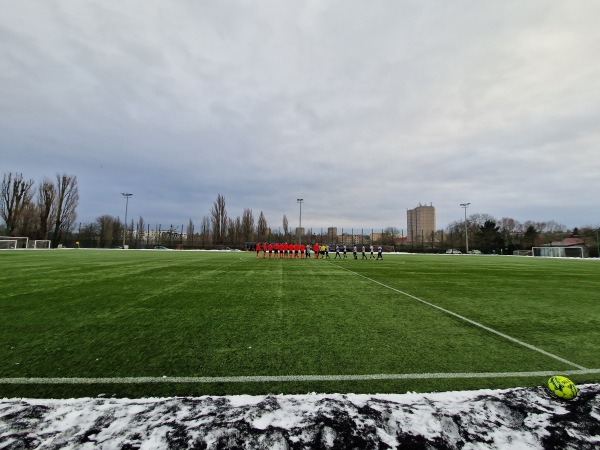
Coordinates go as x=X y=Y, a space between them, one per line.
x=337 y=252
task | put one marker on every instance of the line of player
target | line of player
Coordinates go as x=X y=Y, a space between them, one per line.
x=301 y=251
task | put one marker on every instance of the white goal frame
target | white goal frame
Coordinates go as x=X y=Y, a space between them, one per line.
x=558 y=252
x=22 y=241
x=5 y=244
x=40 y=244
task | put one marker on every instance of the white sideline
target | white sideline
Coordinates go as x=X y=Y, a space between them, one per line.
x=290 y=378
x=472 y=322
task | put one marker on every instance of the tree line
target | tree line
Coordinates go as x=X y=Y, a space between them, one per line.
x=48 y=211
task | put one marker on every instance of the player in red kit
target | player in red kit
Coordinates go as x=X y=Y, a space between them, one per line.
x=315 y=249
x=302 y=249
x=257 y=248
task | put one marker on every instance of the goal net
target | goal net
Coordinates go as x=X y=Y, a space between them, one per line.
x=559 y=252
x=21 y=242
x=8 y=244
x=40 y=244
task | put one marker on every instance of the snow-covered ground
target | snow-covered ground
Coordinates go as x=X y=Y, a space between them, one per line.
x=525 y=418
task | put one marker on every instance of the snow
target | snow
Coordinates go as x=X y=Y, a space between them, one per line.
x=522 y=418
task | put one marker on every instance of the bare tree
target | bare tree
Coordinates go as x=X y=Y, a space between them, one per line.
x=218 y=215
x=46 y=204
x=108 y=229
x=15 y=196
x=190 y=232
x=238 y=230
x=286 y=226
x=261 y=228
x=67 y=198
x=248 y=225
x=231 y=231
x=205 y=229
x=141 y=232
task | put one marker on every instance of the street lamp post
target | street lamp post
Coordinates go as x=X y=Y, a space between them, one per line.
x=466 y=205
x=126 y=195
x=300 y=200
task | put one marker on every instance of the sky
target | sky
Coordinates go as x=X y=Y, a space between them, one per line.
x=362 y=109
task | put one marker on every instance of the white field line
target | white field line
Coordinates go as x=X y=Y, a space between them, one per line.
x=472 y=322
x=290 y=378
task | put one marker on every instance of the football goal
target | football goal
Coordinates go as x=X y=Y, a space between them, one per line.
x=8 y=244
x=559 y=252
x=40 y=244
x=20 y=241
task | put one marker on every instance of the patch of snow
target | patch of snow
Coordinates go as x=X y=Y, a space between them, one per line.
x=526 y=418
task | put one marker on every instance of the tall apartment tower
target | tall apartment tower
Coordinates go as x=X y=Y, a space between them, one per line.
x=332 y=234
x=420 y=224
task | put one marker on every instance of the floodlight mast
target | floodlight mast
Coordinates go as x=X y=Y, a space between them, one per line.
x=466 y=205
x=126 y=195
x=300 y=200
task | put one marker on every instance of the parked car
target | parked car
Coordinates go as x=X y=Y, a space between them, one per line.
x=475 y=252
x=160 y=247
x=453 y=251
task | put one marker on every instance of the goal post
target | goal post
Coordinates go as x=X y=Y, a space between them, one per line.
x=40 y=244
x=559 y=252
x=8 y=244
x=21 y=241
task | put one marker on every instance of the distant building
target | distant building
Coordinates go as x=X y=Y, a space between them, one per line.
x=420 y=224
x=332 y=234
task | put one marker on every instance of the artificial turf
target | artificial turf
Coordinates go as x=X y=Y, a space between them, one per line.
x=109 y=314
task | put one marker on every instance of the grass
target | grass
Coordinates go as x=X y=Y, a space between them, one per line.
x=94 y=314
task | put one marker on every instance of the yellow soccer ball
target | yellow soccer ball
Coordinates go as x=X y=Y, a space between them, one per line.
x=562 y=387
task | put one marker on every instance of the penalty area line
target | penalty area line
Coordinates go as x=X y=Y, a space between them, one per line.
x=466 y=319
x=292 y=378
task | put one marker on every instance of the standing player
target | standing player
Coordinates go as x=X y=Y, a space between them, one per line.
x=372 y=255
x=364 y=255
x=265 y=250
x=345 y=252
x=316 y=250
x=354 y=252
x=270 y=250
x=257 y=249
x=337 y=252
x=379 y=253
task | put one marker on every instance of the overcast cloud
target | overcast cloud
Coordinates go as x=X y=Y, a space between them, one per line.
x=362 y=108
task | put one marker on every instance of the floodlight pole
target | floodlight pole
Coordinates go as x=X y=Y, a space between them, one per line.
x=466 y=205
x=300 y=200
x=126 y=195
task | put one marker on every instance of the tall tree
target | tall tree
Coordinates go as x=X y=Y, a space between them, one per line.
x=46 y=204
x=218 y=215
x=248 y=225
x=261 y=227
x=231 y=231
x=67 y=198
x=205 y=229
x=490 y=238
x=531 y=235
x=286 y=226
x=141 y=233
x=15 y=195
x=190 y=232
x=108 y=229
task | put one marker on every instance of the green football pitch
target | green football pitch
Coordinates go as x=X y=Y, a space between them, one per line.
x=158 y=323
